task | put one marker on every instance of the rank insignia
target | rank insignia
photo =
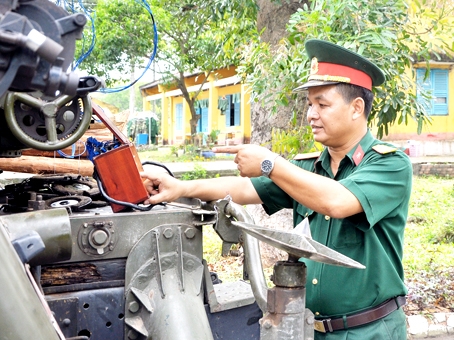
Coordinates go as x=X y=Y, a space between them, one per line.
x=384 y=149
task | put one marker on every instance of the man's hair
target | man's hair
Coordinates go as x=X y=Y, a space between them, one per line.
x=350 y=92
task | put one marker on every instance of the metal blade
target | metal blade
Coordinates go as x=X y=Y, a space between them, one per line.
x=298 y=245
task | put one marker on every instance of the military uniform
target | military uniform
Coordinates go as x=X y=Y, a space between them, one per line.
x=380 y=177
x=352 y=304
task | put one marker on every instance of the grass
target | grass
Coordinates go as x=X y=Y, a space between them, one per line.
x=429 y=236
x=164 y=155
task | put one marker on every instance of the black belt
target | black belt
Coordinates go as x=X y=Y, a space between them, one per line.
x=361 y=318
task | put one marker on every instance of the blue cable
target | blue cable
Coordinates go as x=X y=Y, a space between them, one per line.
x=145 y=4
x=84 y=55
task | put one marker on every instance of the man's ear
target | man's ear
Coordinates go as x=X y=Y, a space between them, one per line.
x=358 y=107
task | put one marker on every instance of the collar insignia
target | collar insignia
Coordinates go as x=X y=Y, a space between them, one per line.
x=358 y=155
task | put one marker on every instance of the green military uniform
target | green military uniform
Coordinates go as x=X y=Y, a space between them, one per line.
x=380 y=177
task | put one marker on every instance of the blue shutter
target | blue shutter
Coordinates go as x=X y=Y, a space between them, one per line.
x=204 y=119
x=202 y=124
x=179 y=117
x=237 y=114
x=199 y=123
x=227 y=112
x=425 y=84
x=440 y=92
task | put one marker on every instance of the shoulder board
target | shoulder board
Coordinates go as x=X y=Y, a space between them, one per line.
x=384 y=149
x=301 y=156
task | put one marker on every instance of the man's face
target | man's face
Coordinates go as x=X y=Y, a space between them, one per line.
x=329 y=116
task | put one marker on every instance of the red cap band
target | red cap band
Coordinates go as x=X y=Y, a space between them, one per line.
x=340 y=73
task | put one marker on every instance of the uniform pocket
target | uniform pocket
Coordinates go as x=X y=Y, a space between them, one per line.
x=303 y=212
x=348 y=235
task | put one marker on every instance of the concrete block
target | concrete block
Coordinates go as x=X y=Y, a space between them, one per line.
x=437 y=329
x=418 y=325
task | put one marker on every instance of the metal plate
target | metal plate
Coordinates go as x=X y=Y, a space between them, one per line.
x=298 y=245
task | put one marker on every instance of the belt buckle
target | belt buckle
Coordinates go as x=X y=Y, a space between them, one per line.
x=319 y=325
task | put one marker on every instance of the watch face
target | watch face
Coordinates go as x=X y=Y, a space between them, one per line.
x=267 y=166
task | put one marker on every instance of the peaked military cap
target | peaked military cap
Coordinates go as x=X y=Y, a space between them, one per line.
x=334 y=64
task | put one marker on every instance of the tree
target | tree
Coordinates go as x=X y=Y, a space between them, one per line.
x=196 y=36
x=199 y=37
x=123 y=32
x=384 y=31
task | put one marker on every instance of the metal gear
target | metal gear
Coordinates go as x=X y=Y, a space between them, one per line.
x=75 y=202
x=32 y=121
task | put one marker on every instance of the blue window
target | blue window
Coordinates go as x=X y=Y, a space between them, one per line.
x=232 y=110
x=179 y=117
x=437 y=85
x=201 y=107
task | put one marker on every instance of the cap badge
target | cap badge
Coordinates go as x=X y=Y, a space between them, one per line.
x=314 y=65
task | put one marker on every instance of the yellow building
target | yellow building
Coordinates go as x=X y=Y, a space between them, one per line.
x=223 y=105
x=436 y=138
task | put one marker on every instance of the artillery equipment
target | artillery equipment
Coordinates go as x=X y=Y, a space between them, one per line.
x=75 y=269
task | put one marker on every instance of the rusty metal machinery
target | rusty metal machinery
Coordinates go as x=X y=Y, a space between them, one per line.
x=43 y=103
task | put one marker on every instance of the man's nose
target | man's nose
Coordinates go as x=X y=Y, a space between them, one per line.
x=312 y=113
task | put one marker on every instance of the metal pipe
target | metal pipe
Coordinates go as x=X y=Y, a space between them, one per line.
x=52 y=225
x=23 y=315
x=252 y=256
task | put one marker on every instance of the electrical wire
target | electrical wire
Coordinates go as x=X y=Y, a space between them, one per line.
x=145 y=4
x=70 y=6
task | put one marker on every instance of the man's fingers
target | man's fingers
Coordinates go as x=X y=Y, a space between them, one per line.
x=227 y=149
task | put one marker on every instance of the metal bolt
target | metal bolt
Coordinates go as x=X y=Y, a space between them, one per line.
x=99 y=237
x=190 y=233
x=168 y=233
x=133 y=306
x=66 y=322
x=310 y=320
x=132 y=334
x=80 y=19
x=85 y=225
x=189 y=264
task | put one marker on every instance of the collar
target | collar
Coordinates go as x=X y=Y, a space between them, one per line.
x=355 y=155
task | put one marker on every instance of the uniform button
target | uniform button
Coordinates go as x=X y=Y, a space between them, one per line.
x=327 y=217
x=307 y=214
x=314 y=281
x=317 y=313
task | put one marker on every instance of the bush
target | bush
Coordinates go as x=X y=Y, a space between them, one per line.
x=199 y=172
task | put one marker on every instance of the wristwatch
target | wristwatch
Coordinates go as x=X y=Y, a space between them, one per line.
x=267 y=166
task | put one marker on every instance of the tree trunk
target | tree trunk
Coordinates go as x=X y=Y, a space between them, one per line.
x=273 y=17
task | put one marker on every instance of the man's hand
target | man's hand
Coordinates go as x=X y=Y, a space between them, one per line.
x=161 y=186
x=248 y=157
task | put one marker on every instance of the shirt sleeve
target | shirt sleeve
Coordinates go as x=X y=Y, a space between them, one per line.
x=382 y=184
x=273 y=197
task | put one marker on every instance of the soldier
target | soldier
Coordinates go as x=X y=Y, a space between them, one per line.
x=355 y=195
